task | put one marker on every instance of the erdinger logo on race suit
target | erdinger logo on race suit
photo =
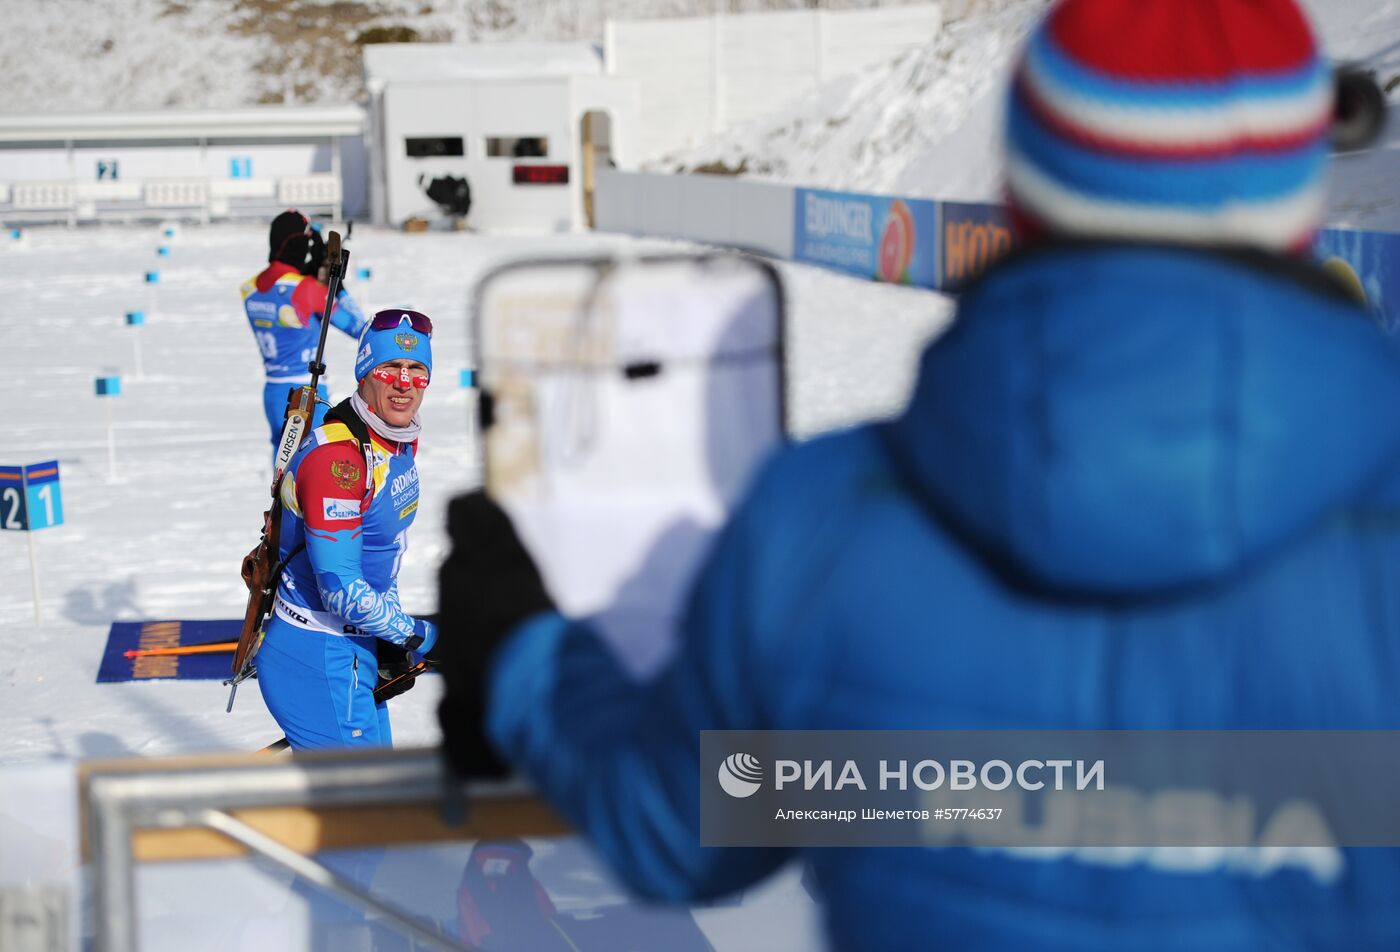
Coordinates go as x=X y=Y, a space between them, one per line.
x=346 y=475
x=406 y=341
x=403 y=486
x=333 y=509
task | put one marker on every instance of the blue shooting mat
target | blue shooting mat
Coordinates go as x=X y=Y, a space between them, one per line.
x=128 y=635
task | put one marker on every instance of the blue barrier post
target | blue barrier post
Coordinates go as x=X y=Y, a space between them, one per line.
x=136 y=319
x=152 y=279
x=109 y=385
x=30 y=500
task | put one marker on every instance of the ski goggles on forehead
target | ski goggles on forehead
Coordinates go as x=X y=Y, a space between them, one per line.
x=401 y=376
x=386 y=320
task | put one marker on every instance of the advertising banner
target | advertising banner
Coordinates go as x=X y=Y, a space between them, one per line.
x=870 y=236
x=974 y=236
x=1368 y=262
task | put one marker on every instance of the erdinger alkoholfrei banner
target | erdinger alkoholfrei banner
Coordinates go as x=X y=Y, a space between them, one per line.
x=1368 y=264
x=871 y=236
x=974 y=236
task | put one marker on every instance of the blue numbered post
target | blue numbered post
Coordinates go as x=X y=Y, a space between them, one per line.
x=14 y=508
x=30 y=500
x=364 y=274
x=42 y=496
x=163 y=251
x=135 y=318
x=467 y=379
x=153 y=277
x=109 y=386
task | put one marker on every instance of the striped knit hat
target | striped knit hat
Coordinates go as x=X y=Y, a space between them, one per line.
x=1204 y=122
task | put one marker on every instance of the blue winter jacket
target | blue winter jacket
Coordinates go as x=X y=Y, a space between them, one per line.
x=1135 y=488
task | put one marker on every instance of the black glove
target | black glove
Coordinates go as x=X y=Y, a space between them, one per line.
x=394 y=660
x=487 y=586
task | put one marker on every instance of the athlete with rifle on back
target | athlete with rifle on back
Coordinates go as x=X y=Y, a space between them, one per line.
x=284 y=303
x=334 y=539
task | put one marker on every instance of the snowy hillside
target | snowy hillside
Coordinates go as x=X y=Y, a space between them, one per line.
x=923 y=125
x=928 y=124
x=82 y=55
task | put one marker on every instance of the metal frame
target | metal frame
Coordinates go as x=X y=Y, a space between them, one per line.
x=124 y=798
x=603 y=264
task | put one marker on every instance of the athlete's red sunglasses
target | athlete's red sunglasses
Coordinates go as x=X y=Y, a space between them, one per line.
x=401 y=377
x=384 y=320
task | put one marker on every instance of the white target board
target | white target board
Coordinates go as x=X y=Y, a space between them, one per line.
x=626 y=407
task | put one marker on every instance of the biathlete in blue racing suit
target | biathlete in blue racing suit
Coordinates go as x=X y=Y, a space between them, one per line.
x=349 y=498
x=284 y=304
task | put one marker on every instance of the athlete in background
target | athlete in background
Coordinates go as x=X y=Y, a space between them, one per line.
x=284 y=305
x=349 y=498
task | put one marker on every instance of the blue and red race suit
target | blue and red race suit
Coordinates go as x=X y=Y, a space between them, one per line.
x=284 y=309
x=347 y=508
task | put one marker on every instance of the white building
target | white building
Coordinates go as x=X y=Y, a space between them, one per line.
x=524 y=123
x=201 y=164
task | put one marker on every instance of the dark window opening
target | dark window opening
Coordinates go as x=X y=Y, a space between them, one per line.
x=432 y=147
x=517 y=147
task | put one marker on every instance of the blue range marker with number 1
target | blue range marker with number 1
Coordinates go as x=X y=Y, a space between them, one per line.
x=41 y=491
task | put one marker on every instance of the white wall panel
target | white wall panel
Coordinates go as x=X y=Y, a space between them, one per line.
x=733 y=213
x=852 y=40
x=699 y=75
x=675 y=63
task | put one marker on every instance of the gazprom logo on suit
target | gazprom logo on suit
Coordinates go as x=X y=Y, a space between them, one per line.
x=340 y=508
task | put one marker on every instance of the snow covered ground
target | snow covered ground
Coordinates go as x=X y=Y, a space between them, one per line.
x=164 y=536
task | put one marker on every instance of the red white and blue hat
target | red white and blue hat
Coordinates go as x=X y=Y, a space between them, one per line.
x=1201 y=122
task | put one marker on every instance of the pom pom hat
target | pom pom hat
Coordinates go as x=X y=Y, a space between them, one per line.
x=1192 y=121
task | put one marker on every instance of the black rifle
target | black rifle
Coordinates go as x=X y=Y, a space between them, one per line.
x=261 y=569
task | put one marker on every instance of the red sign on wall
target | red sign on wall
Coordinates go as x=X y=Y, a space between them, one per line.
x=541 y=174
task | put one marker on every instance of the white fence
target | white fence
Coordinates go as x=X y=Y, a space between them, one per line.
x=203 y=199
x=700 y=75
x=754 y=216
